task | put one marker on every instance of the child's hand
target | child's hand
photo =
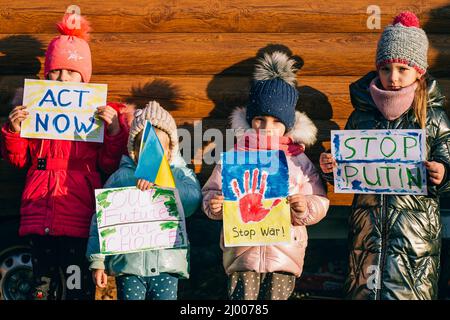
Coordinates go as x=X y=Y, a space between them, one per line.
x=16 y=116
x=144 y=185
x=298 y=205
x=436 y=171
x=216 y=204
x=111 y=118
x=327 y=162
x=100 y=278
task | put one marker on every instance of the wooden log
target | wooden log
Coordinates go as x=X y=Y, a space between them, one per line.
x=321 y=54
x=206 y=96
x=21 y=16
x=201 y=138
x=321 y=97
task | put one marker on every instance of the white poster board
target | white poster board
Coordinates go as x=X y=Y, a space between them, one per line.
x=131 y=220
x=379 y=161
x=63 y=110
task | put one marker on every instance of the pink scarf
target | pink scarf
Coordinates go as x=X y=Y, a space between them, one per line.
x=254 y=142
x=392 y=104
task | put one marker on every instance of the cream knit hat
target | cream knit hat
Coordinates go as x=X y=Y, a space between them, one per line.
x=159 y=118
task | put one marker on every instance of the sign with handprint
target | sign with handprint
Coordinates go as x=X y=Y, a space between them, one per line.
x=255 y=185
x=131 y=220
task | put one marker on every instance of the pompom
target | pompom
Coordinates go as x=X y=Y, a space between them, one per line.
x=74 y=25
x=407 y=19
x=276 y=65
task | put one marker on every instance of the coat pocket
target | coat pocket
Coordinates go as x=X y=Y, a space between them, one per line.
x=415 y=232
x=299 y=236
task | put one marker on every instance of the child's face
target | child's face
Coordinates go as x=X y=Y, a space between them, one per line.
x=65 y=75
x=395 y=76
x=163 y=138
x=271 y=125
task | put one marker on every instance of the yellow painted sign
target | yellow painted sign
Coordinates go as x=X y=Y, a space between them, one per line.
x=63 y=110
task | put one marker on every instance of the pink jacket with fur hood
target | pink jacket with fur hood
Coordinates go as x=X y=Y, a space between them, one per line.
x=304 y=179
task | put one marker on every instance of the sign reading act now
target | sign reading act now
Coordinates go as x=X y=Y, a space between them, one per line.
x=63 y=110
x=379 y=161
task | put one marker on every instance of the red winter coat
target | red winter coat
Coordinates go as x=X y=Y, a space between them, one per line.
x=60 y=200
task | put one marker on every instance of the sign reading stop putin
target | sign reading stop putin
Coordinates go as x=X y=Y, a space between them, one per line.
x=379 y=161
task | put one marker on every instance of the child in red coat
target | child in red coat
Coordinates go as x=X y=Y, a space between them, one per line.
x=58 y=200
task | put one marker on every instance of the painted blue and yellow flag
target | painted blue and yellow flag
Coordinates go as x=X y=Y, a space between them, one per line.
x=153 y=165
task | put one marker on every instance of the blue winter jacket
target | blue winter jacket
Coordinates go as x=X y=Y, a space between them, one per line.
x=150 y=262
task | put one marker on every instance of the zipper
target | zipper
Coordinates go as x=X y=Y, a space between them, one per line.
x=262 y=262
x=383 y=245
x=48 y=226
x=57 y=146
x=383 y=240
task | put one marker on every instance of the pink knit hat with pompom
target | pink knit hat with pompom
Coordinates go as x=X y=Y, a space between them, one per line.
x=70 y=50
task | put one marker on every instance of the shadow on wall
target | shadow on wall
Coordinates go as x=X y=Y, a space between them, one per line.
x=160 y=90
x=439 y=23
x=19 y=60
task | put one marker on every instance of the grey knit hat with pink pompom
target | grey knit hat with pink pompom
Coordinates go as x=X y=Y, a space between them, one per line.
x=159 y=118
x=403 y=42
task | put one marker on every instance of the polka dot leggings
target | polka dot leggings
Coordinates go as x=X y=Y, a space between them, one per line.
x=162 y=287
x=251 y=285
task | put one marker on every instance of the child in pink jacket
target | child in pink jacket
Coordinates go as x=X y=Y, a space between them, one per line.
x=269 y=272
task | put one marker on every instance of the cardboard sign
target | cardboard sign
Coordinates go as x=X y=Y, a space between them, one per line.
x=131 y=220
x=255 y=186
x=63 y=110
x=379 y=161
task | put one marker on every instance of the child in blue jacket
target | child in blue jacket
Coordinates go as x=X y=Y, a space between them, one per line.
x=150 y=274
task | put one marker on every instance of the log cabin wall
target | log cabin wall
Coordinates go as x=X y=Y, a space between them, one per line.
x=196 y=57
